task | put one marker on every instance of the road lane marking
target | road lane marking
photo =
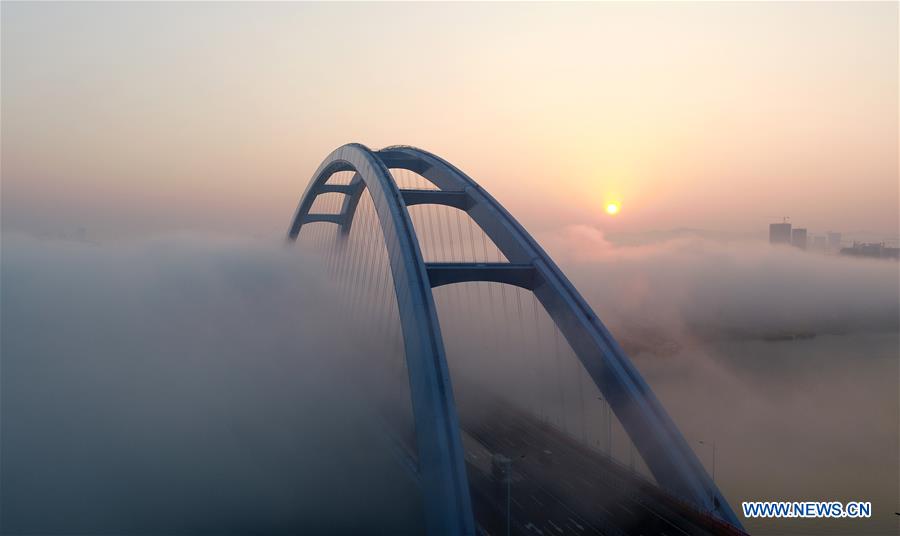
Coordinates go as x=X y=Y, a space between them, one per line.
x=576 y=524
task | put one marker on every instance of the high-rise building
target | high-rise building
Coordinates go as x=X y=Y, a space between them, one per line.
x=780 y=233
x=834 y=241
x=876 y=250
x=798 y=238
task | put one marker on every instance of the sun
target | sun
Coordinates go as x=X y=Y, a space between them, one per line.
x=612 y=209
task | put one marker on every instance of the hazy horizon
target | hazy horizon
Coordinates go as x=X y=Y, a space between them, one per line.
x=150 y=118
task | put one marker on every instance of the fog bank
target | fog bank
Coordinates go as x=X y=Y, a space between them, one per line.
x=183 y=385
x=199 y=384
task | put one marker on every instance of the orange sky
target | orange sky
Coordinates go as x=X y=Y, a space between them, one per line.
x=147 y=118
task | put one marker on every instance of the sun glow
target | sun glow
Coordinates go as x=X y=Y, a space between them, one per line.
x=612 y=209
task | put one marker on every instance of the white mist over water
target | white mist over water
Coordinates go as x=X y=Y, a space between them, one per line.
x=194 y=383
x=805 y=419
x=183 y=385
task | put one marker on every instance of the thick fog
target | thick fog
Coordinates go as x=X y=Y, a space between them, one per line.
x=709 y=324
x=184 y=385
x=195 y=384
x=727 y=288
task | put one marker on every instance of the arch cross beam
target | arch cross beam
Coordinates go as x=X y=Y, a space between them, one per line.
x=446 y=273
x=450 y=198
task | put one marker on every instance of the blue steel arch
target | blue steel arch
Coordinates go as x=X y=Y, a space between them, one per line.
x=668 y=456
x=448 y=508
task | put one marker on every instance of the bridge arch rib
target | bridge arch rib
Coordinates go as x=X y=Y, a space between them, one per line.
x=448 y=508
x=668 y=456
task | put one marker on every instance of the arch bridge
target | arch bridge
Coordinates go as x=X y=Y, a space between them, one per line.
x=441 y=458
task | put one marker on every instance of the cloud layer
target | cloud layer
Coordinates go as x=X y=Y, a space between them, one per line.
x=187 y=385
x=197 y=384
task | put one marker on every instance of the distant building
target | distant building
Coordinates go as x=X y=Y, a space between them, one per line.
x=819 y=243
x=875 y=250
x=798 y=238
x=834 y=241
x=780 y=233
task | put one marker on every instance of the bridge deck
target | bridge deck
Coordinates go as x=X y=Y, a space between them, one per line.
x=560 y=486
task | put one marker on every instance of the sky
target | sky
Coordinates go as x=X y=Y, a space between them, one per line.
x=122 y=120
x=173 y=140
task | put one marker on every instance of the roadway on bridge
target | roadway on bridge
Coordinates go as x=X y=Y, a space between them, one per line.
x=560 y=486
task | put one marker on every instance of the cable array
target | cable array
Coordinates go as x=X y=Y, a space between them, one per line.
x=493 y=337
